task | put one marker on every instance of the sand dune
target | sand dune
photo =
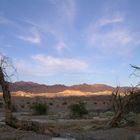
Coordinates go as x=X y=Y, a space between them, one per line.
x=65 y=93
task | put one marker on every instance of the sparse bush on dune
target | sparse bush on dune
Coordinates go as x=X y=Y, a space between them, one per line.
x=64 y=103
x=40 y=108
x=107 y=114
x=78 y=110
x=130 y=119
x=93 y=114
x=28 y=102
x=22 y=106
x=50 y=103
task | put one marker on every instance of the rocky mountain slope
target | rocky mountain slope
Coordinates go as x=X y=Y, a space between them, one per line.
x=41 y=88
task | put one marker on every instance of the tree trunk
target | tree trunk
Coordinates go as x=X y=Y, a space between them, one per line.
x=7 y=98
x=115 y=120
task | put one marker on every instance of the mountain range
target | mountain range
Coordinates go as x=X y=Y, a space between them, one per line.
x=42 y=88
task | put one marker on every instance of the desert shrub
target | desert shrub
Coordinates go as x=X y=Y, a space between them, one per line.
x=40 y=108
x=107 y=114
x=93 y=114
x=22 y=106
x=64 y=103
x=50 y=103
x=131 y=118
x=27 y=102
x=78 y=109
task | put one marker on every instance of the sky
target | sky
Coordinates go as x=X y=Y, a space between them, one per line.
x=72 y=41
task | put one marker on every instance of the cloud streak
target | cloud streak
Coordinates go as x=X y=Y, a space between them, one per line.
x=4 y=20
x=60 y=64
x=66 y=8
x=65 y=12
x=47 y=65
x=10 y=22
x=106 y=21
x=109 y=36
x=69 y=9
x=33 y=37
x=61 y=45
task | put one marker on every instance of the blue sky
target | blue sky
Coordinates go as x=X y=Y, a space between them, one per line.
x=71 y=41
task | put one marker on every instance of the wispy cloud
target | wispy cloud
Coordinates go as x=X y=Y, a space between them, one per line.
x=59 y=36
x=35 y=39
x=10 y=22
x=118 y=38
x=33 y=36
x=60 y=64
x=66 y=9
x=69 y=9
x=41 y=65
x=60 y=46
x=113 y=20
x=65 y=15
x=111 y=38
x=4 y=20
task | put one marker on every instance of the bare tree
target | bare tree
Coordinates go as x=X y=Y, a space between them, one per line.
x=136 y=72
x=121 y=99
x=120 y=102
x=5 y=68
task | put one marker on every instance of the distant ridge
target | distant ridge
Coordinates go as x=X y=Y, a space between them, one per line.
x=92 y=88
x=42 y=88
x=35 y=87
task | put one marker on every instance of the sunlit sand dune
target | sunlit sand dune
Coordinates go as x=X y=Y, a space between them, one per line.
x=65 y=93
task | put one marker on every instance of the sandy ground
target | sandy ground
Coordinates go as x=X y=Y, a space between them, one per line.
x=8 y=133
x=71 y=130
x=78 y=129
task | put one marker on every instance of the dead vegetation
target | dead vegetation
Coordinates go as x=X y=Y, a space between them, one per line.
x=122 y=101
x=4 y=65
x=120 y=104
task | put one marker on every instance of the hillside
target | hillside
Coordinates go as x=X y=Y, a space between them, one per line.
x=41 y=88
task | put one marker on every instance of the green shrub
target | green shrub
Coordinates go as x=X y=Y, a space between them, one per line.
x=22 y=106
x=64 y=103
x=131 y=118
x=27 y=102
x=51 y=104
x=93 y=114
x=78 y=110
x=40 y=108
x=107 y=114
